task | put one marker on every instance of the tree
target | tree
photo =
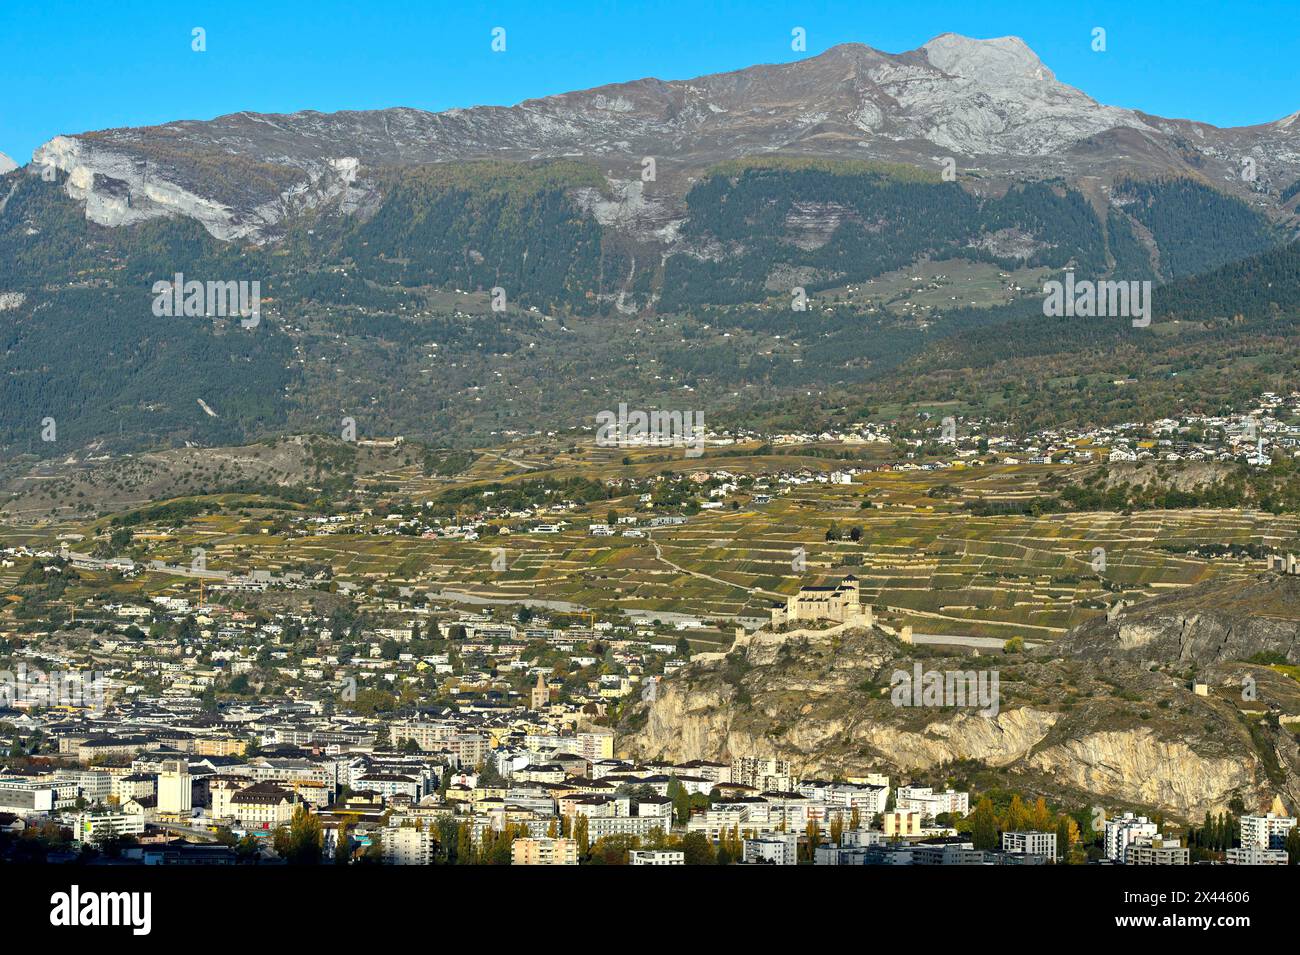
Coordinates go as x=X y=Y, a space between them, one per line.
x=837 y=829
x=301 y=842
x=1017 y=817
x=580 y=835
x=813 y=835
x=983 y=824
x=1067 y=838
x=374 y=854
x=1040 y=817
x=698 y=850
x=681 y=801
x=343 y=845
x=613 y=850
x=731 y=847
x=464 y=845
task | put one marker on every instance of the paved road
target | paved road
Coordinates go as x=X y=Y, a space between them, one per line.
x=515 y=461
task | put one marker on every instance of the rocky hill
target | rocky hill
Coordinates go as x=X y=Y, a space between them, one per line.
x=1087 y=720
x=1202 y=626
x=83 y=485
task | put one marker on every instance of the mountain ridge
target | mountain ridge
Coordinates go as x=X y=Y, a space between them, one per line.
x=991 y=106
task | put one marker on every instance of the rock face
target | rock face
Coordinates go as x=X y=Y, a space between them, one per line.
x=990 y=105
x=1140 y=768
x=6 y=164
x=1076 y=730
x=1201 y=626
x=119 y=188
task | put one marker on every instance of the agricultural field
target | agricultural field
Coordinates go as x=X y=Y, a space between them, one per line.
x=923 y=557
x=938 y=285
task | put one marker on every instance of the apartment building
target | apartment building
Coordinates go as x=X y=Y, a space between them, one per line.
x=774 y=848
x=544 y=851
x=1155 y=851
x=92 y=826
x=954 y=852
x=407 y=845
x=762 y=773
x=925 y=800
x=263 y=806
x=656 y=857
x=1030 y=843
x=1254 y=855
x=1268 y=831
x=1123 y=830
x=902 y=824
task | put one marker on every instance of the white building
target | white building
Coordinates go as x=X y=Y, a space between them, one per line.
x=656 y=857
x=1123 y=830
x=776 y=848
x=1030 y=843
x=925 y=800
x=87 y=827
x=1265 y=832
x=175 y=793
x=407 y=845
x=1152 y=850
x=1253 y=855
x=26 y=797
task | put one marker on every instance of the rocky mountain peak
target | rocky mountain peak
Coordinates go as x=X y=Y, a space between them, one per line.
x=6 y=164
x=1006 y=58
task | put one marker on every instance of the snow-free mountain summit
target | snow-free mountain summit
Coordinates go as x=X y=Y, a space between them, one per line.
x=992 y=106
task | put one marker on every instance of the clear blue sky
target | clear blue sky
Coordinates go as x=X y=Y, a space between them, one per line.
x=67 y=67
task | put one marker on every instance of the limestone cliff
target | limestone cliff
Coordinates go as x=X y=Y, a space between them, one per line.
x=120 y=188
x=1077 y=730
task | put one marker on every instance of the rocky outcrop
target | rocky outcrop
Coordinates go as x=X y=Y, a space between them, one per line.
x=1200 y=626
x=119 y=188
x=1136 y=767
x=1082 y=730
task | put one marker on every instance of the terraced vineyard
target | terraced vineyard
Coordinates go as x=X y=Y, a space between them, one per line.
x=924 y=558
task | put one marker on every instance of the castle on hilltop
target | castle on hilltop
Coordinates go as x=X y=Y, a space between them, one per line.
x=840 y=604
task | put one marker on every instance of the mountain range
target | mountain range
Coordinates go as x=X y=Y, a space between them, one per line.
x=990 y=105
x=798 y=243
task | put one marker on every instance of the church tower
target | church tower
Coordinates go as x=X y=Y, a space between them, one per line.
x=541 y=695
